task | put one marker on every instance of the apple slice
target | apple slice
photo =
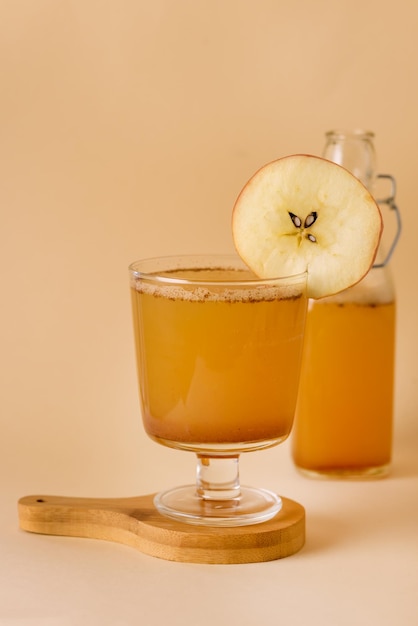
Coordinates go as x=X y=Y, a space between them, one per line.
x=304 y=212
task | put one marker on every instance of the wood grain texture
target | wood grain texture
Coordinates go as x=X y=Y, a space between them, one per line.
x=136 y=523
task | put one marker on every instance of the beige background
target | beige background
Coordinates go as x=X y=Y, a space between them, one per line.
x=127 y=128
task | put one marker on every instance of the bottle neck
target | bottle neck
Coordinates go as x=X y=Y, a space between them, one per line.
x=354 y=150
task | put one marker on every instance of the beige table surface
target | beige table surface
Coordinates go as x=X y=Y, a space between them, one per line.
x=359 y=565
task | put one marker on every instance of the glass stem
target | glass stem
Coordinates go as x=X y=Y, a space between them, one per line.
x=217 y=478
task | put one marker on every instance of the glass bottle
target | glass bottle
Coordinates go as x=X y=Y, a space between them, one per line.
x=344 y=420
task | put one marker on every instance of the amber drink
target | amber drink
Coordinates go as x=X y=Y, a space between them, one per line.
x=344 y=417
x=218 y=354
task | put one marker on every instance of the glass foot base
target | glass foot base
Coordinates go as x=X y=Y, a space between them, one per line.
x=184 y=505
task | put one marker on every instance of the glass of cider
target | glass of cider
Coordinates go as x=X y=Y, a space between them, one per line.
x=218 y=355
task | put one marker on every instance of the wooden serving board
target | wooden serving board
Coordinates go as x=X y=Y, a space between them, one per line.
x=135 y=522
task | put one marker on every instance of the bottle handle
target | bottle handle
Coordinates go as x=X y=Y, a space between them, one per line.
x=390 y=201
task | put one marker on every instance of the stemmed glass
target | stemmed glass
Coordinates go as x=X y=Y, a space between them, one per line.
x=218 y=354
